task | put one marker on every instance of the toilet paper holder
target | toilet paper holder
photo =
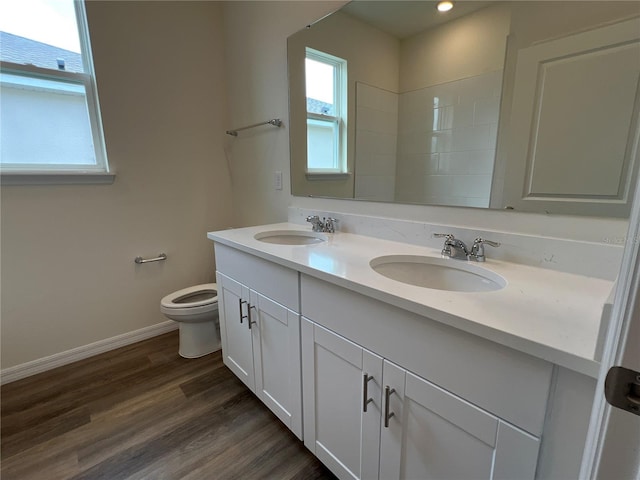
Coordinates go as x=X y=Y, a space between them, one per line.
x=139 y=260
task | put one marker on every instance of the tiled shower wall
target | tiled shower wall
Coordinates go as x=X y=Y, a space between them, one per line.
x=435 y=145
x=376 y=143
x=446 y=142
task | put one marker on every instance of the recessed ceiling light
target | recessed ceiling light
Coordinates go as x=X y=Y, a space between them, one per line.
x=445 y=6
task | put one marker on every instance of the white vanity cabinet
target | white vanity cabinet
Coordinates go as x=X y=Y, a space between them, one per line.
x=367 y=418
x=467 y=401
x=260 y=330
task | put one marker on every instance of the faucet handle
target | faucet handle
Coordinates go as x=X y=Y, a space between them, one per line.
x=330 y=224
x=482 y=241
x=477 y=251
x=448 y=236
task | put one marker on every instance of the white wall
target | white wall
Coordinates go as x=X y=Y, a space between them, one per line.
x=256 y=64
x=466 y=47
x=68 y=276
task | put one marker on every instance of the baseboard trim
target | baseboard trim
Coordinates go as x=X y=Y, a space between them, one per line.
x=17 y=372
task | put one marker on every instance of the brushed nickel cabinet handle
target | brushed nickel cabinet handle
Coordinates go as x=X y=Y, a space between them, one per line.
x=249 y=321
x=387 y=415
x=365 y=391
x=240 y=302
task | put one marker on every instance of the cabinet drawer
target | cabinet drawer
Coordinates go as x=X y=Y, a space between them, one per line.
x=274 y=281
x=511 y=385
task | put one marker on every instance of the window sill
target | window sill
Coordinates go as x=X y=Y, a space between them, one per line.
x=327 y=175
x=56 y=178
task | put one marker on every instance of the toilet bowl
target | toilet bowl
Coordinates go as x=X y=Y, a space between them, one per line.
x=196 y=311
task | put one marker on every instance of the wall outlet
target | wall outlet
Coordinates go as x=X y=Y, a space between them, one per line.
x=277 y=180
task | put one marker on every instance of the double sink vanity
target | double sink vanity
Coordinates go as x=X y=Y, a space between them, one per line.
x=390 y=360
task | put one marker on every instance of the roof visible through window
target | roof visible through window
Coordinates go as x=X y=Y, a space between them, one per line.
x=43 y=33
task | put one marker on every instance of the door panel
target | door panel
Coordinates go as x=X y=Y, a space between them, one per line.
x=276 y=342
x=573 y=152
x=613 y=443
x=434 y=434
x=337 y=409
x=517 y=454
x=372 y=418
x=237 y=350
x=336 y=427
x=468 y=417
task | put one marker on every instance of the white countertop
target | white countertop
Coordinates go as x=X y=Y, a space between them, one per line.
x=548 y=314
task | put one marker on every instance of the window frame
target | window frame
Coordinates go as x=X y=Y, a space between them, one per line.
x=338 y=121
x=19 y=173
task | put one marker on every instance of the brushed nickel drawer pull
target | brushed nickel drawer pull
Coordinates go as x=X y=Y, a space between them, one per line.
x=250 y=322
x=365 y=391
x=387 y=393
x=240 y=302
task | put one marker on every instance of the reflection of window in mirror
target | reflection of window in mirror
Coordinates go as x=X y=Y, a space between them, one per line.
x=326 y=80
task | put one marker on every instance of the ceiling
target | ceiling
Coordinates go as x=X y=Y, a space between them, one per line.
x=406 y=18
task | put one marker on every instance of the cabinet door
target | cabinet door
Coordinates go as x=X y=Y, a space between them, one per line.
x=336 y=427
x=432 y=434
x=276 y=359
x=237 y=353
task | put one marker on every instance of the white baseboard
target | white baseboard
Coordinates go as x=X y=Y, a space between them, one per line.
x=33 y=367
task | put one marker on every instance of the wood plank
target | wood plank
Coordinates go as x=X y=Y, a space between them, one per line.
x=143 y=412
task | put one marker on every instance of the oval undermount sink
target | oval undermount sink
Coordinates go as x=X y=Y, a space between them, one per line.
x=290 y=237
x=438 y=273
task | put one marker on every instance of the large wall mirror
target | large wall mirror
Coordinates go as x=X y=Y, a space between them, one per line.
x=526 y=105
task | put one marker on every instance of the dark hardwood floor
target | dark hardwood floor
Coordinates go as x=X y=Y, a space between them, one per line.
x=143 y=412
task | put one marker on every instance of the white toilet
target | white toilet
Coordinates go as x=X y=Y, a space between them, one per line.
x=196 y=311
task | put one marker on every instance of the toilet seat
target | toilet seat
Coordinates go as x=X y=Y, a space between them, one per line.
x=173 y=300
x=195 y=310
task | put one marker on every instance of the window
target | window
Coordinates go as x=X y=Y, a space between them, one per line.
x=49 y=114
x=326 y=80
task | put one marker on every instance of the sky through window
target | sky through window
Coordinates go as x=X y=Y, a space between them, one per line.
x=48 y=21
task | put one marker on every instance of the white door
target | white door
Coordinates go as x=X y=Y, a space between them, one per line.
x=276 y=359
x=237 y=351
x=573 y=150
x=340 y=378
x=620 y=438
x=613 y=443
x=428 y=433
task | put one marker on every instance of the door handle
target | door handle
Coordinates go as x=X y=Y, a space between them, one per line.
x=622 y=389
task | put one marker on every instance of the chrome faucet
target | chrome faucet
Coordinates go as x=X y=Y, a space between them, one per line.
x=477 y=251
x=454 y=248
x=316 y=223
x=326 y=225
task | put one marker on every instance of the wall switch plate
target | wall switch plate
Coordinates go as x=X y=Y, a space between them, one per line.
x=277 y=180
